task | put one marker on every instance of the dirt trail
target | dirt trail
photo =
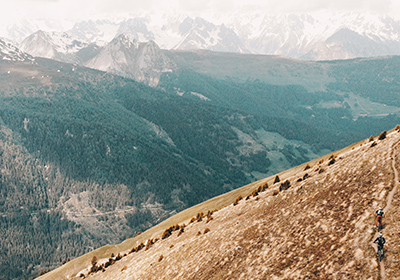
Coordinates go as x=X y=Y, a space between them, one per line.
x=389 y=200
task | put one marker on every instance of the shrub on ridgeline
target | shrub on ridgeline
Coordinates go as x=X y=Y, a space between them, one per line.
x=382 y=135
x=167 y=233
x=43 y=272
x=371 y=138
x=200 y=216
x=209 y=216
x=259 y=189
x=277 y=180
x=263 y=187
x=149 y=243
x=118 y=257
x=139 y=247
x=284 y=186
x=110 y=261
x=307 y=167
x=397 y=128
x=94 y=260
x=254 y=193
x=237 y=200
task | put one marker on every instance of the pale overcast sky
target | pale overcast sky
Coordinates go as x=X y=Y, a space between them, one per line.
x=83 y=9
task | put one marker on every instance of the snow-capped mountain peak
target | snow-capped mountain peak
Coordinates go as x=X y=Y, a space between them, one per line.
x=10 y=52
x=322 y=36
x=125 y=56
x=54 y=45
x=125 y=40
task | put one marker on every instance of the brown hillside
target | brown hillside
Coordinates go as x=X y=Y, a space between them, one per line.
x=320 y=225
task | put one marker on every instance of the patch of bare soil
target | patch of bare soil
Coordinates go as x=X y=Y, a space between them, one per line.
x=318 y=227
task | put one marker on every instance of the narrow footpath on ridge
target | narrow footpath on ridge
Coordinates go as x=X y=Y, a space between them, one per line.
x=389 y=200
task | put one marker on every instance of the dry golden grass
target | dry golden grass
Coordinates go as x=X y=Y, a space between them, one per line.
x=296 y=198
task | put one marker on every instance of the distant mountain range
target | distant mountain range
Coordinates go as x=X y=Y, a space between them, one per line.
x=301 y=36
x=124 y=55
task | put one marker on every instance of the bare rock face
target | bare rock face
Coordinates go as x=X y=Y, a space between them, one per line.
x=322 y=227
x=129 y=58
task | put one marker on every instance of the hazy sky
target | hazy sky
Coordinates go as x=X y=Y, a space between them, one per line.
x=83 y=9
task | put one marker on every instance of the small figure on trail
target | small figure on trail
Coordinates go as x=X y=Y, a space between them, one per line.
x=380 y=241
x=379 y=218
x=380 y=212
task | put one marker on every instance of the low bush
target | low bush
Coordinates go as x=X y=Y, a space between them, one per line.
x=284 y=186
x=236 y=202
x=382 y=135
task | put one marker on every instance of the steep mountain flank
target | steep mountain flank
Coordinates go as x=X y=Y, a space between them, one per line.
x=316 y=223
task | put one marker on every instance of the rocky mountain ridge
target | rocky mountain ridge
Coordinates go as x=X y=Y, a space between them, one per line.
x=10 y=52
x=124 y=55
x=317 y=222
x=127 y=57
x=324 y=36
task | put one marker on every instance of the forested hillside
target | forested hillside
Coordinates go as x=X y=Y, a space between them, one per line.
x=344 y=100
x=89 y=158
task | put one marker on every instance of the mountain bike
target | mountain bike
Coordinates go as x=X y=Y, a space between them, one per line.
x=379 y=223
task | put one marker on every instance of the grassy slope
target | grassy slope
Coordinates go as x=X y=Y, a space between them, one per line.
x=76 y=265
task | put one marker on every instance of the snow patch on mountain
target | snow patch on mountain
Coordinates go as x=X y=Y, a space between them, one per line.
x=319 y=36
x=10 y=52
x=54 y=45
